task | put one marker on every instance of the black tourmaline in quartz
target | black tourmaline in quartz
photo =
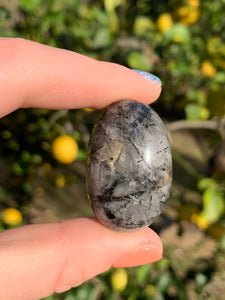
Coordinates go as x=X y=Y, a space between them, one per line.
x=129 y=170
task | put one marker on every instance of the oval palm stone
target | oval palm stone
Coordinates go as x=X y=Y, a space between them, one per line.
x=129 y=170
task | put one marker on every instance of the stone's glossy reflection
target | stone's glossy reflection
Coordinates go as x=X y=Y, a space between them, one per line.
x=129 y=166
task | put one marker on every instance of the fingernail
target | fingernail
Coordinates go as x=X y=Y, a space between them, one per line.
x=149 y=76
x=139 y=256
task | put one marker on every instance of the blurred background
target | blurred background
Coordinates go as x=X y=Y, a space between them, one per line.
x=43 y=153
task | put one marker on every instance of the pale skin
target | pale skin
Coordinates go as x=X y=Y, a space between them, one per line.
x=37 y=260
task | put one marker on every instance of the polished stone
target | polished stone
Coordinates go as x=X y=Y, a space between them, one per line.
x=129 y=170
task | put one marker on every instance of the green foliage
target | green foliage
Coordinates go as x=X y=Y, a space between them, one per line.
x=213 y=205
x=188 y=54
x=136 y=60
x=213 y=200
x=126 y=32
x=178 y=33
x=196 y=112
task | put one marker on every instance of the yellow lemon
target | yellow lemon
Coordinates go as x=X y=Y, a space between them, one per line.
x=208 y=70
x=119 y=279
x=194 y=3
x=164 y=22
x=12 y=216
x=204 y=113
x=200 y=221
x=65 y=149
x=188 y=14
x=142 y=25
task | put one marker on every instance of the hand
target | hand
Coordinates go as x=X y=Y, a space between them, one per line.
x=37 y=260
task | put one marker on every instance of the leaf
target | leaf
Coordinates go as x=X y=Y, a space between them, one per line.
x=29 y=5
x=201 y=279
x=180 y=68
x=193 y=112
x=197 y=96
x=137 y=60
x=82 y=155
x=143 y=273
x=178 y=33
x=205 y=183
x=143 y=25
x=219 y=78
x=213 y=205
x=102 y=38
x=196 y=112
x=2 y=228
x=110 y=5
x=165 y=281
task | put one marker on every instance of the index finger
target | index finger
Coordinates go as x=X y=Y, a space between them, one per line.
x=36 y=75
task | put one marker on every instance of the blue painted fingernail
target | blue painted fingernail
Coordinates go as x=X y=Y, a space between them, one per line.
x=149 y=76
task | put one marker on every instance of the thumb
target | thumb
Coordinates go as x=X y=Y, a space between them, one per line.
x=40 y=259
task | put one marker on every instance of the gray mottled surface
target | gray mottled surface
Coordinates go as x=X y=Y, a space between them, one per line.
x=129 y=166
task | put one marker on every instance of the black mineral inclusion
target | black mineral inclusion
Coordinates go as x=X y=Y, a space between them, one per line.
x=129 y=168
